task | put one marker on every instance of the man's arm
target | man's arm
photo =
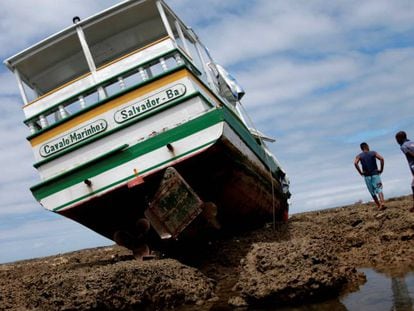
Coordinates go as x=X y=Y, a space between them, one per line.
x=408 y=149
x=379 y=157
x=356 y=163
x=411 y=153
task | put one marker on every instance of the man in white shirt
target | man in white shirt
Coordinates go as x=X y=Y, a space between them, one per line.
x=407 y=147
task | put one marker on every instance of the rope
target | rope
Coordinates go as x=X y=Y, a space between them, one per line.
x=268 y=165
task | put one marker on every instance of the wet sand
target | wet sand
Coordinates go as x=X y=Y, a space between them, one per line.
x=312 y=258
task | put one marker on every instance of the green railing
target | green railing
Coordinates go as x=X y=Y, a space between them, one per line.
x=135 y=76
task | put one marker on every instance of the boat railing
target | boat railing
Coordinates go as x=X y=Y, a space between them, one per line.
x=132 y=78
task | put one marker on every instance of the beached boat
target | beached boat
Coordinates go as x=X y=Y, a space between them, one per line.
x=134 y=126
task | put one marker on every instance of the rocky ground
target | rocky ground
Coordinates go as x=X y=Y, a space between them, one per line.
x=313 y=257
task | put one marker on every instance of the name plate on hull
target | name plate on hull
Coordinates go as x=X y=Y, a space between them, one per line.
x=73 y=137
x=149 y=103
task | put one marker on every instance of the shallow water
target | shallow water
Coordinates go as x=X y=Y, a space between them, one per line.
x=380 y=292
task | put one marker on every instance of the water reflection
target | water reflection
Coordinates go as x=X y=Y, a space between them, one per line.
x=381 y=292
x=329 y=305
x=401 y=295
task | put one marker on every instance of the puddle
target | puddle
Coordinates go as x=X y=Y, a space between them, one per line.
x=380 y=292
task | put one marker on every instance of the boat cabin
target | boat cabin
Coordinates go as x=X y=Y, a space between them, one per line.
x=94 y=61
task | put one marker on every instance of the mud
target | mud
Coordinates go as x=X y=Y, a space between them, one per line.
x=278 y=274
x=313 y=257
x=101 y=279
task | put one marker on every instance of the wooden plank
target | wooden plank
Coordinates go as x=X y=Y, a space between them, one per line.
x=174 y=206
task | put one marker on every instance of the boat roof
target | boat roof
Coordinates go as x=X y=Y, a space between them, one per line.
x=110 y=34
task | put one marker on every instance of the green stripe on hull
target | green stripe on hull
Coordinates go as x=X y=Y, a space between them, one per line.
x=119 y=128
x=68 y=179
x=248 y=139
x=65 y=180
x=131 y=177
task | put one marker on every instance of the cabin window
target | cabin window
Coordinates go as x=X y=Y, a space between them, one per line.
x=134 y=27
x=53 y=66
x=179 y=35
x=30 y=93
x=132 y=79
x=62 y=60
x=124 y=32
x=115 y=87
x=112 y=87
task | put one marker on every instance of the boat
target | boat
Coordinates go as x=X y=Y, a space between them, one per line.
x=137 y=131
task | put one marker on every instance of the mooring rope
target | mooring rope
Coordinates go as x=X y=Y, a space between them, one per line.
x=267 y=162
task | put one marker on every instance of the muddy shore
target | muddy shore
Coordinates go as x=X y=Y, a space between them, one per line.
x=312 y=257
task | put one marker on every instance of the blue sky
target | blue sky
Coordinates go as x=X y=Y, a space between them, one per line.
x=320 y=76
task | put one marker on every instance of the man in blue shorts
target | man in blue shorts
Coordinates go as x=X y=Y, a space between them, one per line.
x=368 y=160
x=407 y=147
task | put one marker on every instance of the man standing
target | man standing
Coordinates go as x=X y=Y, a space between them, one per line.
x=371 y=173
x=407 y=147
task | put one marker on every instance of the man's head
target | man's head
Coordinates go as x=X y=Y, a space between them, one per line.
x=364 y=146
x=401 y=137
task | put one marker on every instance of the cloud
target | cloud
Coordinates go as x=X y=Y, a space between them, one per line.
x=46 y=235
x=377 y=14
x=308 y=28
x=33 y=20
x=283 y=79
x=19 y=207
x=8 y=85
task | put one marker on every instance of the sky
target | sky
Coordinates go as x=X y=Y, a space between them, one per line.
x=320 y=77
